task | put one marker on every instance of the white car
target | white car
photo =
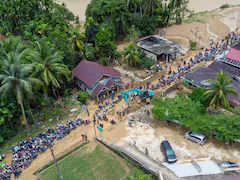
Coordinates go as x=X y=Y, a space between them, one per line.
x=195 y=137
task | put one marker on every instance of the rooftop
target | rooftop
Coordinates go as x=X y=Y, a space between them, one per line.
x=157 y=45
x=108 y=86
x=90 y=72
x=234 y=54
x=206 y=73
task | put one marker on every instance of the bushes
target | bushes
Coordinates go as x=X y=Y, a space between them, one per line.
x=90 y=52
x=104 y=43
x=190 y=114
x=197 y=96
x=224 y=6
x=104 y=61
x=142 y=176
x=146 y=62
x=193 y=45
x=82 y=96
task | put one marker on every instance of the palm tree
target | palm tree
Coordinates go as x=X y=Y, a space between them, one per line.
x=150 y=6
x=134 y=5
x=131 y=54
x=11 y=44
x=220 y=88
x=14 y=77
x=49 y=67
x=176 y=5
x=76 y=39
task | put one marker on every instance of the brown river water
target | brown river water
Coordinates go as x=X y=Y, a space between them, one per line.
x=78 y=7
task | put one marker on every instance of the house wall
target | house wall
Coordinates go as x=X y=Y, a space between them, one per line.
x=151 y=55
x=103 y=81
x=84 y=87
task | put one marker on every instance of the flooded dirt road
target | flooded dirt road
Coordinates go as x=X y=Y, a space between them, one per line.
x=151 y=135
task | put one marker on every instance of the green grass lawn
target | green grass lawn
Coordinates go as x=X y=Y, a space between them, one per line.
x=95 y=165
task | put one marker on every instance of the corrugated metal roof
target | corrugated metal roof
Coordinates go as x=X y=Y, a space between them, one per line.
x=90 y=72
x=98 y=89
x=109 y=83
x=205 y=73
x=108 y=86
x=119 y=82
x=234 y=54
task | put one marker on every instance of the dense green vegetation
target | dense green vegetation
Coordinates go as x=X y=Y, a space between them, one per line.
x=97 y=164
x=28 y=70
x=120 y=16
x=190 y=114
x=42 y=44
x=110 y=21
x=191 y=111
x=43 y=21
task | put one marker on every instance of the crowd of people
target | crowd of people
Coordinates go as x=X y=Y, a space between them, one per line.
x=26 y=151
x=209 y=53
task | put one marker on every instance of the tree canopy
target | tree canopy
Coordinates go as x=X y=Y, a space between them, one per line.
x=123 y=14
x=190 y=114
x=220 y=88
x=40 y=20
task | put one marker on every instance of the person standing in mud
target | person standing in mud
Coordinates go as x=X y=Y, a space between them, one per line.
x=87 y=111
x=148 y=113
x=86 y=138
x=146 y=151
x=128 y=111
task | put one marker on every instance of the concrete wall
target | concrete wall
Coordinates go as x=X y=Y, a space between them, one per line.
x=84 y=87
x=151 y=55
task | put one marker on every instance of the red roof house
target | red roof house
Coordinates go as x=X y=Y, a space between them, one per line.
x=97 y=79
x=233 y=56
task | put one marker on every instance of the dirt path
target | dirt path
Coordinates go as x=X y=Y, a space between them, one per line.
x=113 y=133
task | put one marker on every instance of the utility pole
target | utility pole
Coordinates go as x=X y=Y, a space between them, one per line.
x=94 y=124
x=55 y=161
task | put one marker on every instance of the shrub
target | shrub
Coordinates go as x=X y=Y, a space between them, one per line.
x=82 y=96
x=117 y=55
x=224 y=6
x=90 y=52
x=193 y=45
x=104 y=61
x=142 y=176
x=146 y=62
x=235 y=110
x=197 y=96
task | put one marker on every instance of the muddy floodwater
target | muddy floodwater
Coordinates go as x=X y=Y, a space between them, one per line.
x=208 y=5
x=78 y=7
x=150 y=135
